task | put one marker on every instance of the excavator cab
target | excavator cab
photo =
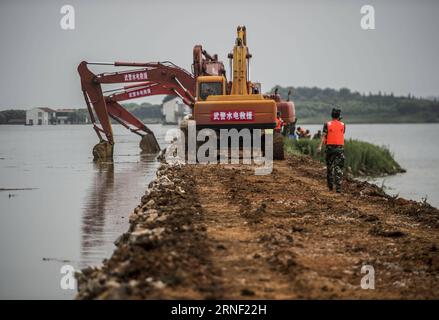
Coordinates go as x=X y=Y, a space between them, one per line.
x=210 y=86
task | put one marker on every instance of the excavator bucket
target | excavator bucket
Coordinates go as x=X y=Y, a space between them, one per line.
x=103 y=152
x=149 y=144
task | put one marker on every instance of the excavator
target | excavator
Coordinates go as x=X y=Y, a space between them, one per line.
x=216 y=103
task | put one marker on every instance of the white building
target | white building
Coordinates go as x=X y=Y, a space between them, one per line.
x=174 y=110
x=40 y=116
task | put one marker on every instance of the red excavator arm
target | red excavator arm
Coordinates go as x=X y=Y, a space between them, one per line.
x=146 y=79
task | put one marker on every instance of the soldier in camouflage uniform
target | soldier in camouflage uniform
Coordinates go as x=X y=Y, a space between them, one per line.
x=333 y=138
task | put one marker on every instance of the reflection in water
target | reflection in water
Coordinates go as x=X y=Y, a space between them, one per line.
x=93 y=219
x=114 y=193
x=147 y=159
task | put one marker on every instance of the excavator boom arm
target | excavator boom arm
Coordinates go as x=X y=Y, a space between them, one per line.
x=146 y=80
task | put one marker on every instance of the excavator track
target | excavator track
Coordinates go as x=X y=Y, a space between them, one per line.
x=278 y=147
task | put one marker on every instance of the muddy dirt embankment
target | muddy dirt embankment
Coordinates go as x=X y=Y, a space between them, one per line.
x=221 y=232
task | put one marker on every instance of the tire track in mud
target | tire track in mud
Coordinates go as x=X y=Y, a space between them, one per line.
x=264 y=203
x=236 y=248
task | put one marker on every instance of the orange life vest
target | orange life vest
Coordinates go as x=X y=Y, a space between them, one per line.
x=278 y=124
x=335 y=133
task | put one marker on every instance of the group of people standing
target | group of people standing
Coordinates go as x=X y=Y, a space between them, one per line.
x=306 y=134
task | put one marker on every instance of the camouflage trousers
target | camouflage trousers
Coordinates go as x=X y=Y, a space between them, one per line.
x=334 y=166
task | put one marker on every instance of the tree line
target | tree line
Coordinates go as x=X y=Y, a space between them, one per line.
x=314 y=105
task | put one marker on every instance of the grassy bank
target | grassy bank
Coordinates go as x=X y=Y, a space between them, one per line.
x=362 y=158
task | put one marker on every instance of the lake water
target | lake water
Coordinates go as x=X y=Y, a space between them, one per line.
x=76 y=209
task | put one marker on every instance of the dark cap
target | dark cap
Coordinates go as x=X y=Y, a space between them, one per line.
x=335 y=113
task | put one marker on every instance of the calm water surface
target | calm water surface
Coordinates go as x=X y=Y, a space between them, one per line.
x=75 y=209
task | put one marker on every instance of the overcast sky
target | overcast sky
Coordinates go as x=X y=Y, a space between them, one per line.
x=298 y=43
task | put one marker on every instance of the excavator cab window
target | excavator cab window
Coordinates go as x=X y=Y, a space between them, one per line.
x=210 y=88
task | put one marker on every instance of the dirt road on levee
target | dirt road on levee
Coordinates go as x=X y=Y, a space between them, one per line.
x=222 y=232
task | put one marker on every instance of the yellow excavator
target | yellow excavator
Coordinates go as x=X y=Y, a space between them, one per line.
x=239 y=103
